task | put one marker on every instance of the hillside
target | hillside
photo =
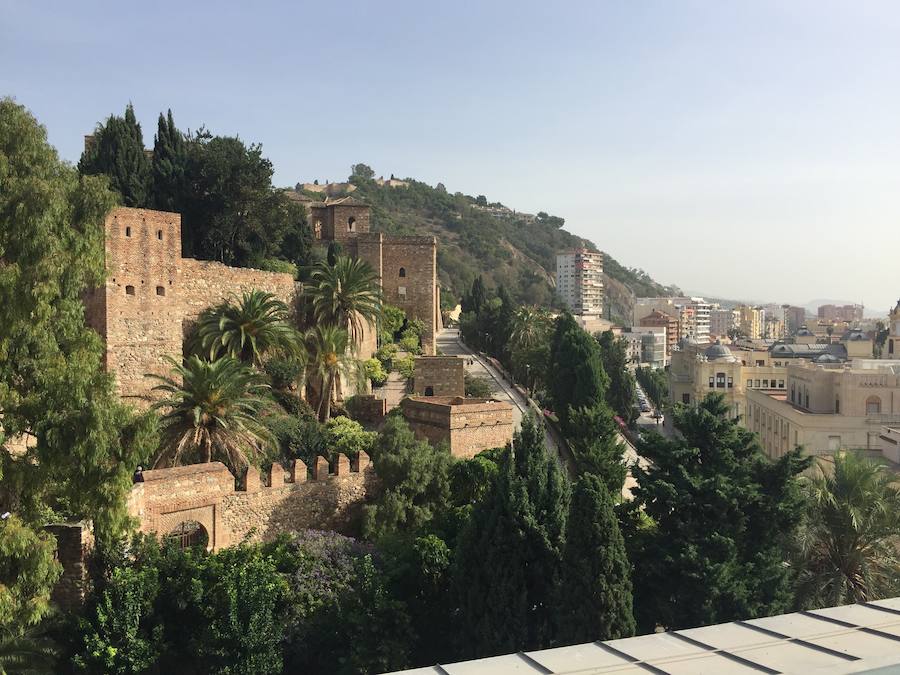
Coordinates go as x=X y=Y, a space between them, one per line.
x=505 y=247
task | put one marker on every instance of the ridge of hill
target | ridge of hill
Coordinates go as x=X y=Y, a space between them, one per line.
x=475 y=237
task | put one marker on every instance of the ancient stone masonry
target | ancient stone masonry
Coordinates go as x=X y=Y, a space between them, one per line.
x=281 y=501
x=467 y=425
x=152 y=293
x=439 y=376
x=74 y=541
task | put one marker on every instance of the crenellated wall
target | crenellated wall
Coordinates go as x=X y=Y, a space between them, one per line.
x=262 y=507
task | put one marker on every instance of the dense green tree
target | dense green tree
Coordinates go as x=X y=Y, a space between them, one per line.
x=849 y=546
x=575 y=376
x=117 y=151
x=345 y=295
x=28 y=571
x=722 y=517
x=248 y=328
x=620 y=392
x=509 y=554
x=655 y=384
x=363 y=171
x=231 y=212
x=344 y=436
x=210 y=410
x=593 y=437
x=595 y=583
x=415 y=481
x=84 y=444
x=168 y=166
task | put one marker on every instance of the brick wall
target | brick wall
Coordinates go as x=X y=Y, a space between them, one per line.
x=467 y=425
x=444 y=375
x=409 y=281
x=282 y=501
x=151 y=293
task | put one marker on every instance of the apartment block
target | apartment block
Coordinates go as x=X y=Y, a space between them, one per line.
x=579 y=281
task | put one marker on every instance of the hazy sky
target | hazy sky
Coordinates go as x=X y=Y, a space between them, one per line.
x=742 y=149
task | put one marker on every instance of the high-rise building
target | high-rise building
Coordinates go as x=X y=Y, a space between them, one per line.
x=721 y=321
x=849 y=313
x=751 y=321
x=794 y=318
x=579 y=281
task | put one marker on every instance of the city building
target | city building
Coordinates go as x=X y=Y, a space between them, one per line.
x=892 y=343
x=579 y=281
x=644 y=307
x=721 y=322
x=794 y=318
x=659 y=319
x=829 y=406
x=699 y=369
x=849 y=313
x=646 y=346
x=751 y=321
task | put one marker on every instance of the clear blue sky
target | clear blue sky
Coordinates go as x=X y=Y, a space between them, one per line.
x=744 y=149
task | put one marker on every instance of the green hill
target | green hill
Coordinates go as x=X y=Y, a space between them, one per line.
x=505 y=247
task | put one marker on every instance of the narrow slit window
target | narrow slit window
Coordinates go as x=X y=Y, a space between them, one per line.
x=127 y=231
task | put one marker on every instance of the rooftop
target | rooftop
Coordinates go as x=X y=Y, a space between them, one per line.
x=850 y=639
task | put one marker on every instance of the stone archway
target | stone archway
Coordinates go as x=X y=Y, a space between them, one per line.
x=189 y=534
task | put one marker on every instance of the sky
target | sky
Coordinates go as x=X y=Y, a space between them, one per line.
x=745 y=150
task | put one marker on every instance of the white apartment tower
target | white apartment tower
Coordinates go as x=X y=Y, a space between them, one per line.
x=579 y=281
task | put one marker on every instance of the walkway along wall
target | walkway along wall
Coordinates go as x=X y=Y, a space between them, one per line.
x=279 y=502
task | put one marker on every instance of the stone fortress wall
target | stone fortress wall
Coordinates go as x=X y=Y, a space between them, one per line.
x=439 y=376
x=467 y=425
x=262 y=507
x=152 y=294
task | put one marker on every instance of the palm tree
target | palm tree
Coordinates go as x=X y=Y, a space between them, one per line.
x=26 y=654
x=345 y=295
x=329 y=360
x=530 y=325
x=848 y=549
x=247 y=329
x=212 y=412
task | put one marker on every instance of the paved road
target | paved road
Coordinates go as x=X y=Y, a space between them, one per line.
x=450 y=345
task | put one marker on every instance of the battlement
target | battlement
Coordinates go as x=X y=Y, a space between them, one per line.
x=283 y=499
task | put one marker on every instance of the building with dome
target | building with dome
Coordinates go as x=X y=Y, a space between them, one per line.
x=830 y=405
x=699 y=369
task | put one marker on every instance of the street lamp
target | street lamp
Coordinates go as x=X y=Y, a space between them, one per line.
x=527 y=380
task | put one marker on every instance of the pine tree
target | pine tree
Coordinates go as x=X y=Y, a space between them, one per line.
x=723 y=518
x=509 y=554
x=169 y=165
x=595 y=583
x=620 y=392
x=118 y=152
x=593 y=438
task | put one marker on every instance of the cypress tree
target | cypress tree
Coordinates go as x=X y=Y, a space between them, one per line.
x=169 y=165
x=509 y=554
x=575 y=377
x=118 y=153
x=595 y=590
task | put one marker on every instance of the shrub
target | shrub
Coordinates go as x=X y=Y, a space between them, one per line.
x=405 y=365
x=344 y=436
x=274 y=265
x=301 y=437
x=386 y=354
x=375 y=372
x=283 y=373
x=477 y=387
x=410 y=343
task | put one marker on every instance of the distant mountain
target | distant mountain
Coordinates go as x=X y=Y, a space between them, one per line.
x=506 y=247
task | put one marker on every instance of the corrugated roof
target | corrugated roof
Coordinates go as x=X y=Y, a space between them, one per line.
x=849 y=639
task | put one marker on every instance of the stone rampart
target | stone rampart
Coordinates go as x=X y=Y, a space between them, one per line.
x=262 y=507
x=467 y=425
